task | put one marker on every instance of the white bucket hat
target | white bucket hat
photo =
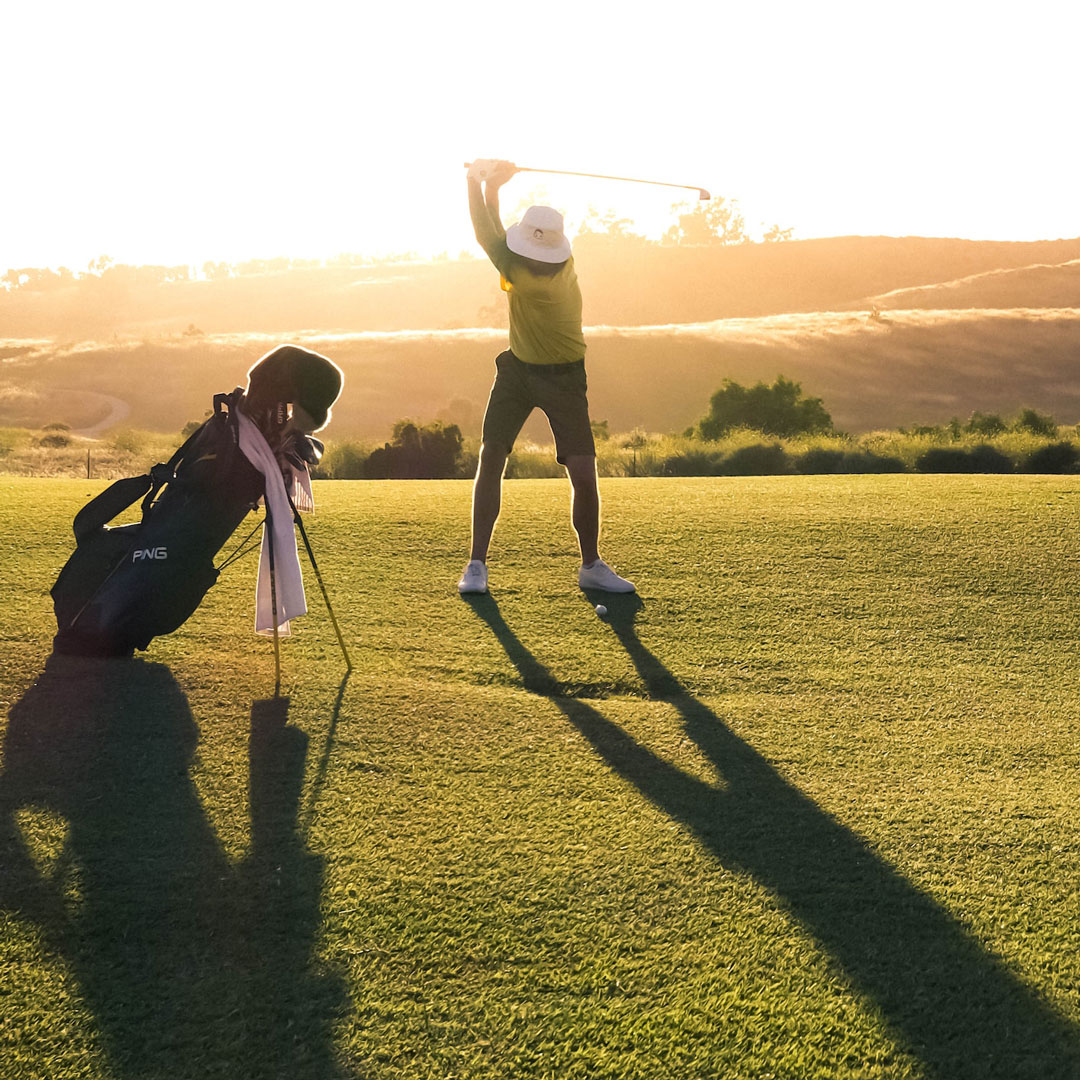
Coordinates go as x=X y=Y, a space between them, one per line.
x=539 y=235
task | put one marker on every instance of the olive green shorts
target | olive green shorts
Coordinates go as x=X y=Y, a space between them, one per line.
x=559 y=390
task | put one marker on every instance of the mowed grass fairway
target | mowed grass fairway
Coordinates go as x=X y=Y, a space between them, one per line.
x=806 y=809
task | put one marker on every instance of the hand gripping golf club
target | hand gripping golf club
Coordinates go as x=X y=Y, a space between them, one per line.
x=702 y=193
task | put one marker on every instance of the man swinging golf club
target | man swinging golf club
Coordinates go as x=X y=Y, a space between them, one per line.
x=543 y=368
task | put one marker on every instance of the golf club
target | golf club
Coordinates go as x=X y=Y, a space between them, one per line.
x=702 y=193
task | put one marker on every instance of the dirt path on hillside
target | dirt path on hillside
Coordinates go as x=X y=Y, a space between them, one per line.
x=118 y=410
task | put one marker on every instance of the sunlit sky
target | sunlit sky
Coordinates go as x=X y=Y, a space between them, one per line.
x=179 y=133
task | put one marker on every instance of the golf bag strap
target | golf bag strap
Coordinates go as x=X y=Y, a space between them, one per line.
x=115 y=499
x=231 y=400
x=164 y=473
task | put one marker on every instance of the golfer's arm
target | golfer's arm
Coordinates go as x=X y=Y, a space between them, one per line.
x=491 y=198
x=484 y=210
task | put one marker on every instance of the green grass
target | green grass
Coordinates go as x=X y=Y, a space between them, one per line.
x=807 y=810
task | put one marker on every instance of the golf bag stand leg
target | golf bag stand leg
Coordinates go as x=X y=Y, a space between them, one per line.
x=269 y=526
x=322 y=586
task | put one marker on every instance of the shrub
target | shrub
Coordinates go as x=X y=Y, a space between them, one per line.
x=9 y=439
x=380 y=464
x=470 y=460
x=762 y=459
x=431 y=452
x=985 y=424
x=342 y=461
x=941 y=459
x=988 y=459
x=529 y=462
x=779 y=410
x=864 y=462
x=692 y=463
x=55 y=440
x=1035 y=422
x=953 y=430
x=636 y=443
x=57 y=427
x=1059 y=457
x=191 y=427
x=821 y=461
x=979 y=459
x=128 y=441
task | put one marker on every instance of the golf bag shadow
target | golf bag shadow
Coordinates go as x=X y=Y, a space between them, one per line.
x=125 y=585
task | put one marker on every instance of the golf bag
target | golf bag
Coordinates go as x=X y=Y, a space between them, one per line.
x=124 y=585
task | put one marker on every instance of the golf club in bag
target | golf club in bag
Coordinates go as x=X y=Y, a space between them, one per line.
x=125 y=585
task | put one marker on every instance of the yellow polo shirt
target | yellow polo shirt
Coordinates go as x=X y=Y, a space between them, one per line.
x=545 y=309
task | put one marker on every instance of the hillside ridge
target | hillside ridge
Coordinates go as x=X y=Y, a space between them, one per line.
x=624 y=283
x=964 y=325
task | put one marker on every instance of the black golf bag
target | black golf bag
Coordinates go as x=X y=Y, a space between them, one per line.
x=123 y=586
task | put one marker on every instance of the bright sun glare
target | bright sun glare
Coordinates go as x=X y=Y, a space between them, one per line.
x=229 y=130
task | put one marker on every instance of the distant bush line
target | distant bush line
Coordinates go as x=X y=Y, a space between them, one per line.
x=744 y=452
x=439 y=451
x=760 y=430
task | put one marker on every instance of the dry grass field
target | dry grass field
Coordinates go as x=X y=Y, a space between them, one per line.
x=896 y=368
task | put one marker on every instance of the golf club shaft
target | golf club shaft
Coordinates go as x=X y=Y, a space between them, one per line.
x=627 y=179
x=702 y=193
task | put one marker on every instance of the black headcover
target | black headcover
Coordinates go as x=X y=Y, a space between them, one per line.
x=290 y=374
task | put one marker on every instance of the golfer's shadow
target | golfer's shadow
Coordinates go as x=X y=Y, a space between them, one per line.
x=953 y=1005
x=175 y=950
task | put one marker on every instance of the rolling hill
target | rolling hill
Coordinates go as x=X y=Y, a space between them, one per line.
x=888 y=331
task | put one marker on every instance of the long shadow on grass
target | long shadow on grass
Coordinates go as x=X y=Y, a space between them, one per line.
x=952 y=1004
x=190 y=965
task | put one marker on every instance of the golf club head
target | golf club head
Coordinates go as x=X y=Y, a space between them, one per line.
x=703 y=194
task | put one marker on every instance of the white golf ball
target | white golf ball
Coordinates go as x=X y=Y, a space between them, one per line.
x=601 y=610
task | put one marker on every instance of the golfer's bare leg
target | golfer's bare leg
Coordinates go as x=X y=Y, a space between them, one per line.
x=487 y=499
x=585 y=512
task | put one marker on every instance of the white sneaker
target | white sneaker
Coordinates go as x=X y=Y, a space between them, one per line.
x=474 y=578
x=601 y=576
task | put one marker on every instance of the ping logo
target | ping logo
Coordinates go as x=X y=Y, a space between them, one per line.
x=150 y=553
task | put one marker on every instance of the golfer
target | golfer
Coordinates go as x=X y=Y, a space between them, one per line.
x=544 y=368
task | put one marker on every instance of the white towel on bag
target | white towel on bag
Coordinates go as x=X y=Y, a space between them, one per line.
x=291 y=601
x=302 y=497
